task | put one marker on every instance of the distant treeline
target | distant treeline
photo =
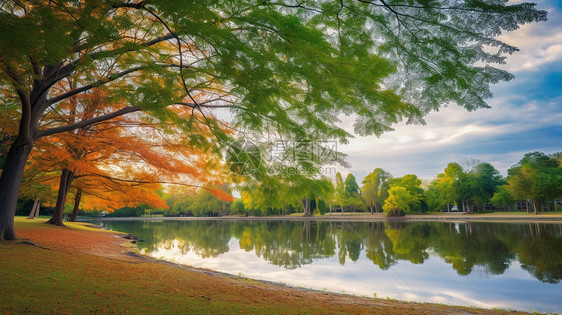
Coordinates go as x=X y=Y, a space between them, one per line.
x=533 y=184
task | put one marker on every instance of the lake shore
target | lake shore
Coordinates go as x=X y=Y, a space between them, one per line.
x=77 y=269
x=377 y=217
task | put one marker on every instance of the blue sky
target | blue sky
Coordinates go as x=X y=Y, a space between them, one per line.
x=526 y=115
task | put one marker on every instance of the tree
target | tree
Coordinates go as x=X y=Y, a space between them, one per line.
x=373 y=187
x=398 y=201
x=211 y=201
x=489 y=179
x=277 y=65
x=477 y=185
x=503 y=198
x=412 y=184
x=351 y=185
x=339 y=190
x=350 y=196
x=117 y=163
x=237 y=206
x=444 y=188
x=536 y=177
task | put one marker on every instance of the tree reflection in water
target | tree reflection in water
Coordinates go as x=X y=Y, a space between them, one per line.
x=489 y=246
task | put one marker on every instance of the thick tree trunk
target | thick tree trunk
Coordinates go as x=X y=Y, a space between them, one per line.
x=10 y=181
x=76 y=205
x=65 y=180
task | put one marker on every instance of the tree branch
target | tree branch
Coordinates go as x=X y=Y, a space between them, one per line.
x=133 y=181
x=113 y=77
x=87 y=122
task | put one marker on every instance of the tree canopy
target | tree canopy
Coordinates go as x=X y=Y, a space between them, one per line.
x=284 y=67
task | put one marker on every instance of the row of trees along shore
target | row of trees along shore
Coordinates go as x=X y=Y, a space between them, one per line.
x=215 y=71
x=534 y=184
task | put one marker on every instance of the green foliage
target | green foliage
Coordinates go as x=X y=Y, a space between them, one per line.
x=237 y=206
x=347 y=194
x=444 y=191
x=503 y=198
x=281 y=195
x=200 y=203
x=398 y=201
x=274 y=67
x=537 y=177
x=351 y=185
x=373 y=189
x=294 y=68
x=414 y=194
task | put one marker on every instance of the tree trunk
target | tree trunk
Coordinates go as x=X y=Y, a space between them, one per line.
x=33 y=214
x=10 y=181
x=306 y=207
x=37 y=209
x=65 y=180
x=76 y=205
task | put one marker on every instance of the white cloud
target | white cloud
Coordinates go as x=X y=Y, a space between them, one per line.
x=539 y=43
x=426 y=150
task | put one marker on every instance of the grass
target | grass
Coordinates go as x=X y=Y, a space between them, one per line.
x=78 y=269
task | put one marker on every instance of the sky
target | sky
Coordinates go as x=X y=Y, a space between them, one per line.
x=525 y=115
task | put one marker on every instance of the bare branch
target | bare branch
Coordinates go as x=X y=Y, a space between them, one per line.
x=87 y=122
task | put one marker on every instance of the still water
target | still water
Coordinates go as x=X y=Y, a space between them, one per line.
x=504 y=265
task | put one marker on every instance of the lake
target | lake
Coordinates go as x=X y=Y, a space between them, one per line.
x=503 y=265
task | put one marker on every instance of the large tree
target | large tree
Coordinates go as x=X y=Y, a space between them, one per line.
x=284 y=65
x=477 y=185
x=443 y=190
x=412 y=184
x=537 y=178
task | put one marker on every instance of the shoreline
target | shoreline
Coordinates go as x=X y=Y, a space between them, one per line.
x=378 y=217
x=91 y=257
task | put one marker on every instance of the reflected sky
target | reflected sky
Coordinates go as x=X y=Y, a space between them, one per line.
x=490 y=265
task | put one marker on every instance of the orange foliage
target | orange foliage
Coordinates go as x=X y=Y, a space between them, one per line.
x=125 y=161
x=221 y=195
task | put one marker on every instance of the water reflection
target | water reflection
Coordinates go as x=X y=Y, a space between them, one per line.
x=475 y=251
x=493 y=246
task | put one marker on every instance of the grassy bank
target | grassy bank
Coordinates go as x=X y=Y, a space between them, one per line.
x=77 y=269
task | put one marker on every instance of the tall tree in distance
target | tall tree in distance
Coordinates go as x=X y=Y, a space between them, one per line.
x=276 y=65
x=373 y=188
x=351 y=185
x=445 y=187
x=477 y=184
x=340 y=195
x=536 y=177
